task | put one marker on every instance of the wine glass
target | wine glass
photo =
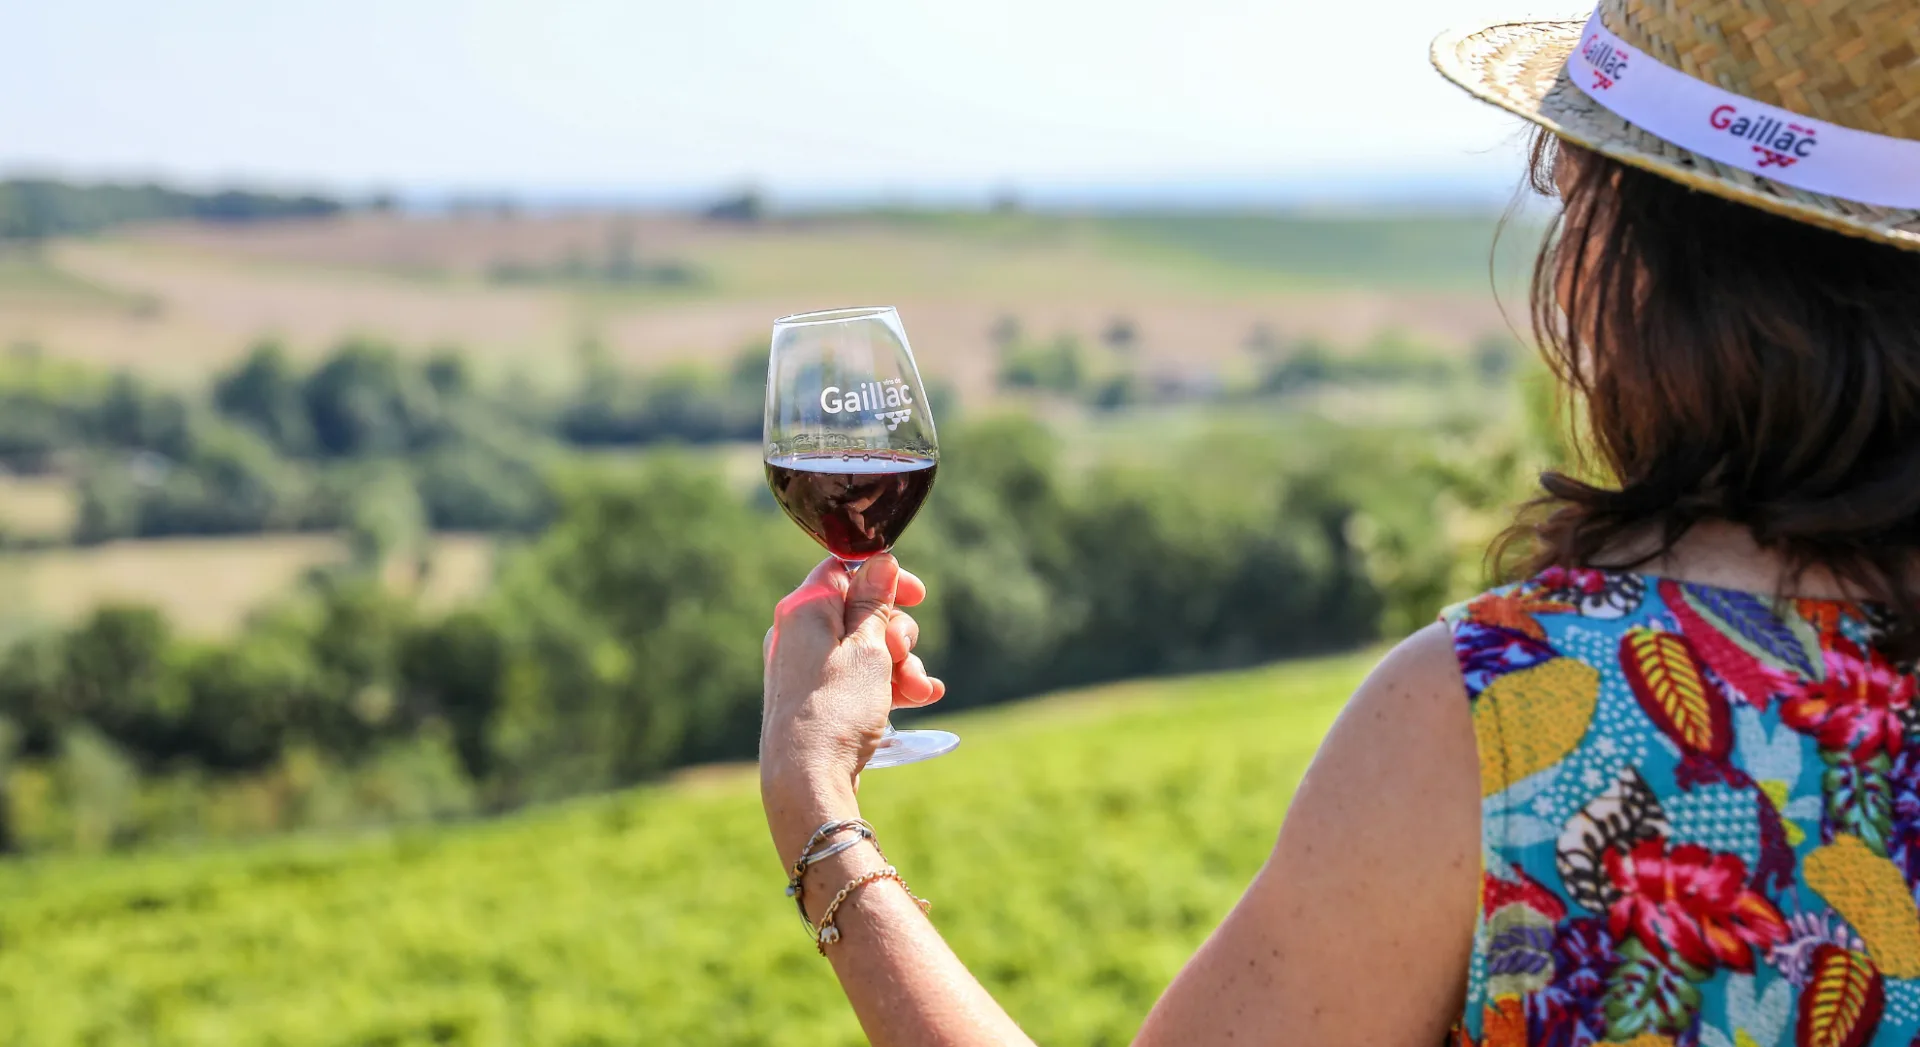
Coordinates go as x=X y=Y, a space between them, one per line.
x=850 y=449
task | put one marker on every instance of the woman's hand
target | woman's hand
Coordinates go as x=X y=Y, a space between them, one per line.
x=838 y=658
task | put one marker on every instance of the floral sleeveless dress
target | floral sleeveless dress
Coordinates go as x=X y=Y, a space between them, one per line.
x=1700 y=818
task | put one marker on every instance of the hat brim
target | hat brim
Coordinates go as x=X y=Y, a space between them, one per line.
x=1521 y=67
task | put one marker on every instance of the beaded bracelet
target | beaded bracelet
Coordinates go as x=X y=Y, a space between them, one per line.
x=828 y=932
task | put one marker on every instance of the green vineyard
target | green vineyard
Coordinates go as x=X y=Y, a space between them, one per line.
x=1076 y=848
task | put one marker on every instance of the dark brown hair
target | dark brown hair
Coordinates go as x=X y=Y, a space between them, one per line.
x=1722 y=363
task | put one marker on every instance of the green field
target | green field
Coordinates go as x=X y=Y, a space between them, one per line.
x=1408 y=251
x=1077 y=849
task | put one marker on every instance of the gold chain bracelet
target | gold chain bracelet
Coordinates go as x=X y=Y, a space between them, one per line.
x=828 y=932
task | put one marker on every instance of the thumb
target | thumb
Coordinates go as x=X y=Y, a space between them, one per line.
x=870 y=597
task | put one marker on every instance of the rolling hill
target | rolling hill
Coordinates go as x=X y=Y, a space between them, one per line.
x=1077 y=849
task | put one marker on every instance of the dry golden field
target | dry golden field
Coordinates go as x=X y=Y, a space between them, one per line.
x=207 y=586
x=36 y=507
x=174 y=301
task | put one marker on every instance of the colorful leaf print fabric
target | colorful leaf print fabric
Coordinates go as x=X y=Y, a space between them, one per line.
x=1700 y=818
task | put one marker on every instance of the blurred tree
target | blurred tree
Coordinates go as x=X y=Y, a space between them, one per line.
x=644 y=606
x=385 y=520
x=33 y=209
x=1118 y=392
x=455 y=669
x=9 y=750
x=231 y=483
x=356 y=627
x=118 y=677
x=132 y=415
x=97 y=786
x=264 y=392
x=34 y=431
x=1308 y=365
x=364 y=401
x=745 y=206
x=32 y=674
x=109 y=503
x=476 y=486
x=448 y=373
x=1054 y=368
x=243 y=697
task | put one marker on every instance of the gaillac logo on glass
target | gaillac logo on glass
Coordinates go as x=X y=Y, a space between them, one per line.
x=890 y=401
x=1779 y=144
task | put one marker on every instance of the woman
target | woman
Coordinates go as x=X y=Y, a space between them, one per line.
x=1666 y=789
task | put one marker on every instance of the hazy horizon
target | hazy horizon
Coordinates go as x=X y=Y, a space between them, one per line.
x=1359 y=191
x=1056 y=102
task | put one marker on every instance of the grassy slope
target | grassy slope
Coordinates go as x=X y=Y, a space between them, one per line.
x=1406 y=252
x=1077 y=850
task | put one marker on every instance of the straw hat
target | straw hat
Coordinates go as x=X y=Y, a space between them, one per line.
x=1714 y=76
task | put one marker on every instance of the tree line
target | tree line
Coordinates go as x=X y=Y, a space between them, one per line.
x=33 y=209
x=1108 y=379
x=274 y=445
x=624 y=639
x=620 y=636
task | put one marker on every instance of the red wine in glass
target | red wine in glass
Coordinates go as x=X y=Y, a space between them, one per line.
x=854 y=504
x=851 y=451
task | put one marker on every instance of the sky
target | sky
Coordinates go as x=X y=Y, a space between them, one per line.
x=798 y=97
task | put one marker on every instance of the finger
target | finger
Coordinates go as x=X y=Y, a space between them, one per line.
x=822 y=592
x=870 y=599
x=912 y=590
x=828 y=572
x=903 y=634
x=832 y=575
x=911 y=684
x=915 y=696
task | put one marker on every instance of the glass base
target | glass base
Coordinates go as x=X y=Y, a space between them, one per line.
x=903 y=747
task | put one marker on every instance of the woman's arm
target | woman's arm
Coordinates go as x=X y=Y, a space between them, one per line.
x=1357 y=930
x=905 y=984
x=837 y=661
